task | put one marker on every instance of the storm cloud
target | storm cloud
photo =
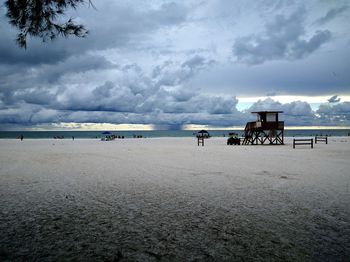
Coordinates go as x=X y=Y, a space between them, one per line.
x=283 y=38
x=332 y=14
x=334 y=99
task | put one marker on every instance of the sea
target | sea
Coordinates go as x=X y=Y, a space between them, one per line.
x=157 y=133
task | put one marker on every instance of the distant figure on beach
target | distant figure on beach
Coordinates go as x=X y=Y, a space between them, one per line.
x=73 y=138
x=21 y=137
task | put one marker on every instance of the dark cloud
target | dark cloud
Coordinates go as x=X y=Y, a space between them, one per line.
x=111 y=25
x=39 y=96
x=334 y=99
x=172 y=73
x=331 y=14
x=311 y=77
x=169 y=13
x=216 y=111
x=35 y=116
x=63 y=93
x=38 y=53
x=43 y=84
x=282 y=39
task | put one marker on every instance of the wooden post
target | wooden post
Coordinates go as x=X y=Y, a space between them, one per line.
x=200 y=140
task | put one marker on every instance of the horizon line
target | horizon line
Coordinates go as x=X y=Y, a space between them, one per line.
x=193 y=128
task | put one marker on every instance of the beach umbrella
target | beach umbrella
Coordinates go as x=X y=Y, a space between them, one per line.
x=106 y=133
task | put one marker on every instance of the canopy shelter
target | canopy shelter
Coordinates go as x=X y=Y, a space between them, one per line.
x=266 y=129
x=201 y=135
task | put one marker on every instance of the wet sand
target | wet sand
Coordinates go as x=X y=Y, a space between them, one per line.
x=168 y=199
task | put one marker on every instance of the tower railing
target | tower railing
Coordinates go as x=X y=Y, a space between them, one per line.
x=257 y=125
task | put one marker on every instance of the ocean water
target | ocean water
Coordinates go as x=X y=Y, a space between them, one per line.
x=158 y=133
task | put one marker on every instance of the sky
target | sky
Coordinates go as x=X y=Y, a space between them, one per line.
x=171 y=64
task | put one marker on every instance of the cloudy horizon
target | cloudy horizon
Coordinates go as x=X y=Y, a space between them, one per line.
x=174 y=64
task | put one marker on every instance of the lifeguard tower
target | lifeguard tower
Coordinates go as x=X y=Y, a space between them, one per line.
x=267 y=128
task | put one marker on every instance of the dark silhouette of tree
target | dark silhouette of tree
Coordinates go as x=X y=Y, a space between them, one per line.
x=43 y=19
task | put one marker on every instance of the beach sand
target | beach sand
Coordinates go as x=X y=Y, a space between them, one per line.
x=168 y=199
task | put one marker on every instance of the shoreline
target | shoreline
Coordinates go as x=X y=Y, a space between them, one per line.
x=159 y=133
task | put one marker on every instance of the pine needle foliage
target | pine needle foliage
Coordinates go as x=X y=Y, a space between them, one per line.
x=43 y=19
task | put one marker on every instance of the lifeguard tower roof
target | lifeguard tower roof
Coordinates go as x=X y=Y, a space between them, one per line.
x=266 y=112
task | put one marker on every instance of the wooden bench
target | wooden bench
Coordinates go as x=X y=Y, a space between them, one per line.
x=303 y=141
x=321 y=139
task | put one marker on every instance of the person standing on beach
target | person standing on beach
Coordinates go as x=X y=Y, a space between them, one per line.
x=21 y=137
x=73 y=138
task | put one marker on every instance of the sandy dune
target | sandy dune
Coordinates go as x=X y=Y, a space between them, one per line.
x=167 y=199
